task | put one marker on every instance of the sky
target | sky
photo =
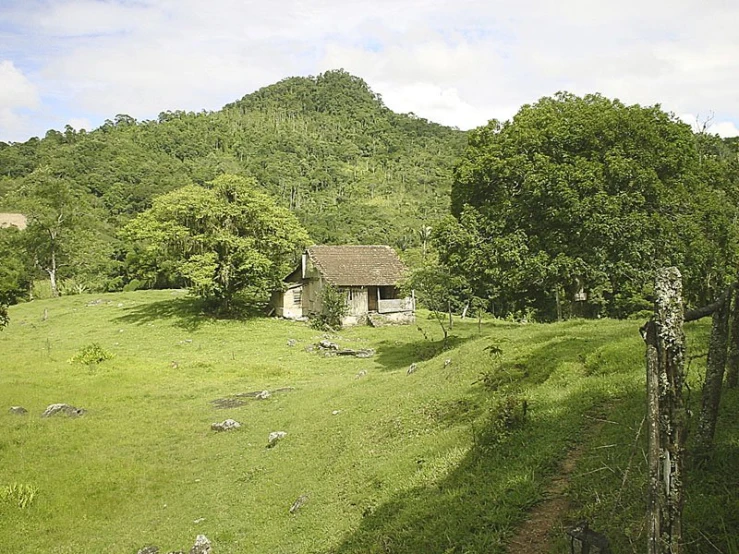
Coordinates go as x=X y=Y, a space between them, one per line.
x=456 y=62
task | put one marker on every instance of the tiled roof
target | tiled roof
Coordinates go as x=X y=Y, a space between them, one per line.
x=12 y=220
x=357 y=266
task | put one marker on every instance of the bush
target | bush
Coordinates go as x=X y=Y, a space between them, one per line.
x=91 y=354
x=4 y=318
x=334 y=308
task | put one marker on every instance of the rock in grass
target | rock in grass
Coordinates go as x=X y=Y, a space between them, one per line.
x=301 y=500
x=292 y=342
x=225 y=425
x=64 y=409
x=447 y=362
x=275 y=437
x=361 y=373
x=18 y=410
x=411 y=369
x=264 y=395
x=328 y=345
x=150 y=549
x=202 y=545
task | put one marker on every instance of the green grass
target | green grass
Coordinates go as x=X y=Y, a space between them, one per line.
x=437 y=461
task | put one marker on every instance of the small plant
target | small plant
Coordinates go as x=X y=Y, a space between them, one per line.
x=4 y=319
x=18 y=493
x=91 y=354
x=334 y=308
x=504 y=417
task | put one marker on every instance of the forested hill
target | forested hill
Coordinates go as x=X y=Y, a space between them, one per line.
x=326 y=147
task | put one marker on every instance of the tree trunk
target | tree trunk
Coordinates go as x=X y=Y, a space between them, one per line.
x=52 y=275
x=666 y=414
x=711 y=397
x=451 y=321
x=732 y=369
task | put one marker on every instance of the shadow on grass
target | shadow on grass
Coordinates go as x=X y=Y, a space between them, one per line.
x=392 y=355
x=476 y=505
x=544 y=360
x=186 y=313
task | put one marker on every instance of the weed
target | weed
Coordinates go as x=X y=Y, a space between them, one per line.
x=20 y=494
x=91 y=354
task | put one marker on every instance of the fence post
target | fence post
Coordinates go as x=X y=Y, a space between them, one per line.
x=732 y=367
x=665 y=414
x=715 y=366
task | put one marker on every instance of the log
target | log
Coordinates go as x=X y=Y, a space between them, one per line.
x=705 y=311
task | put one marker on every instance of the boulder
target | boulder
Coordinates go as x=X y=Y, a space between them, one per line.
x=18 y=410
x=328 y=345
x=225 y=425
x=202 y=545
x=64 y=409
x=150 y=549
x=411 y=369
x=275 y=437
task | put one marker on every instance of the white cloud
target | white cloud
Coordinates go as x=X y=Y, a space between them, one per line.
x=459 y=63
x=707 y=123
x=16 y=93
x=79 y=123
x=725 y=129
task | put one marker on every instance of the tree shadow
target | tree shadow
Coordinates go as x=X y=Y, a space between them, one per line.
x=185 y=313
x=544 y=360
x=392 y=355
x=479 y=499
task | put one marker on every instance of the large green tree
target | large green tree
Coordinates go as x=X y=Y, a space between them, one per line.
x=67 y=236
x=224 y=240
x=587 y=195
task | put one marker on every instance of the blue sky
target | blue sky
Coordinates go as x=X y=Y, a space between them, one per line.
x=460 y=62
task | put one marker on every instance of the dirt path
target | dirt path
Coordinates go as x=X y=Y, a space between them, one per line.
x=532 y=536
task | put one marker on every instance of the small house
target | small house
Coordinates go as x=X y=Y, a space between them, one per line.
x=368 y=276
x=13 y=220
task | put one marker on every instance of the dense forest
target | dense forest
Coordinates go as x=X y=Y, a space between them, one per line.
x=567 y=209
x=324 y=147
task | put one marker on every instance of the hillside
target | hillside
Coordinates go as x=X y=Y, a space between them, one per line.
x=326 y=147
x=441 y=460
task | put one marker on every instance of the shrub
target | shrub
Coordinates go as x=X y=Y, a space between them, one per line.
x=91 y=354
x=334 y=308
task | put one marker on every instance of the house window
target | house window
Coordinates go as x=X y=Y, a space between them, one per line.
x=297 y=296
x=350 y=294
x=388 y=293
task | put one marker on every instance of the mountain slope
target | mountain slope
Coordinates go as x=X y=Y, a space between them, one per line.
x=325 y=146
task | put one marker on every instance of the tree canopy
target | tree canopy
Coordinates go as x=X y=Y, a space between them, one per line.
x=585 y=198
x=224 y=240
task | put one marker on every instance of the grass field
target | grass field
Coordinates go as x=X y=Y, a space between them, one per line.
x=441 y=460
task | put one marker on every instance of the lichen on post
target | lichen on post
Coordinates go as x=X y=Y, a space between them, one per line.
x=666 y=413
